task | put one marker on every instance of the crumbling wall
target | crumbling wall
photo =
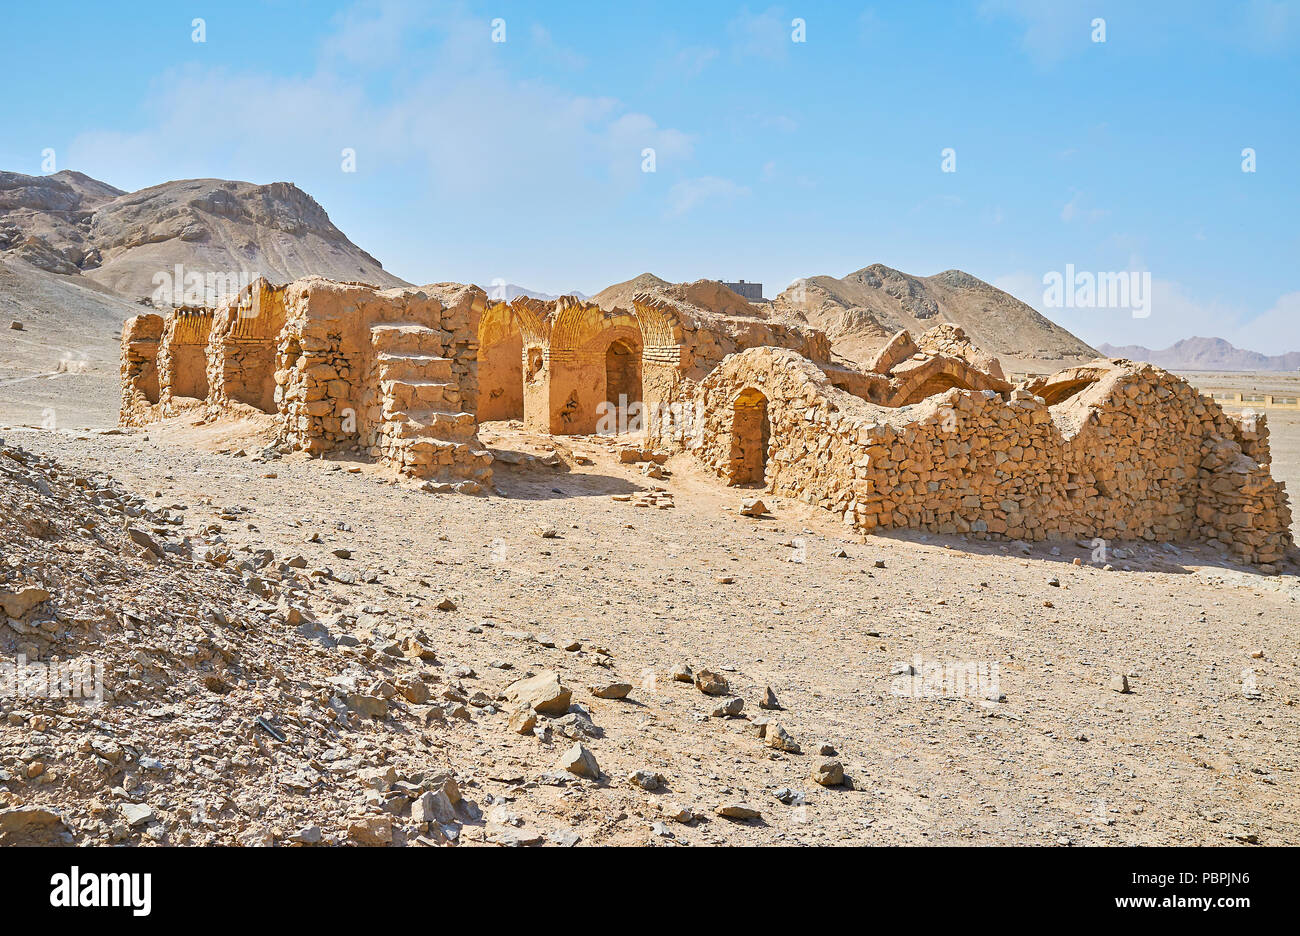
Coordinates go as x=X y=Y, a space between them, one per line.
x=392 y=373
x=182 y=359
x=500 y=364
x=141 y=336
x=1138 y=454
x=684 y=343
x=242 y=345
x=567 y=345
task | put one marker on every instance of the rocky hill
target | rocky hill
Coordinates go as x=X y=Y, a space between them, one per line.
x=69 y=223
x=1205 y=354
x=863 y=309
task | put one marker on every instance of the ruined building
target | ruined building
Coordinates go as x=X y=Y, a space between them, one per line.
x=390 y=373
x=929 y=435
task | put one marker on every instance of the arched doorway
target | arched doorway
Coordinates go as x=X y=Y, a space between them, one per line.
x=622 y=378
x=500 y=365
x=750 y=434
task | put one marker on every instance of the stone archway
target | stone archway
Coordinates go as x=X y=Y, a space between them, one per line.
x=500 y=365
x=622 y=378
x=751 y=432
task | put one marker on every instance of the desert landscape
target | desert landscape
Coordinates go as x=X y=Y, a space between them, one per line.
x=369 y=564
x=425 y=425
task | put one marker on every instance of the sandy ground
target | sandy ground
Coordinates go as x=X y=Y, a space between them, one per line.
x=1190 y=755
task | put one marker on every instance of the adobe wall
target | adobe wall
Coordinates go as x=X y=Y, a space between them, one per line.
x=1136 y=453
x=392 y=373
x=567 y=346
x=141 y=336
x=241 y=348
x=182 y=359
x=500 y=364
x=683 y=344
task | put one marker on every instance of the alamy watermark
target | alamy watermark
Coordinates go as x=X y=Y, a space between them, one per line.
x=82 y=679
x=954 y=679
x=1085 y=290
x=181 y=287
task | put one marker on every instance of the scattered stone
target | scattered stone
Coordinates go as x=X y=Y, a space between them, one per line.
x=679 y=813
x=769 y=700
x=647 y=780
x=828 y=773
x=137 y=814
x=710 y=683
x=682 y=673
x=17 y=604
x=579 y=761
x=776 y=737
x=523 y=720
x=615 y=690
x=371 y=830
x=542 y=693
x=739 y=812
x=730 y=708
x=753 y=507
x=790 y=797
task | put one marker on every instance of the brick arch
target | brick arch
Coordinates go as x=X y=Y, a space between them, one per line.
x=500 y=364
x=935 y=376
x=534 y=322
x=662 y=329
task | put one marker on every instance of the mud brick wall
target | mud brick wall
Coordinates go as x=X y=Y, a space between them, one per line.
x=141 y=336
x=241 y=348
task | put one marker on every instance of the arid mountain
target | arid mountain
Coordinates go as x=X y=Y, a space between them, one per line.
x=69 y=223
x=77 y=256
x=619 y=296
x=1205 y=354
x=862 y=310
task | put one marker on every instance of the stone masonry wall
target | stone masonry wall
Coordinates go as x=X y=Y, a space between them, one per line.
x=141 y=335
x=1135 y=454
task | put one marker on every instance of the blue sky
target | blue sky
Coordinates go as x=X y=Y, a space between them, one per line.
x=774 y=159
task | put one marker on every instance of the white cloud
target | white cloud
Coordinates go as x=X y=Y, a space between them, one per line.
x=1270 y=25
x=1275 y=331
x=762 y=35
x=685 y=195
x=1053 y=29
x=483 y=138
x=1077 y=208
x=692 y=60
x=561 y=55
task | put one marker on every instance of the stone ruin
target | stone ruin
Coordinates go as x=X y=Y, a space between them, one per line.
x=343 y=366
x=928 y=435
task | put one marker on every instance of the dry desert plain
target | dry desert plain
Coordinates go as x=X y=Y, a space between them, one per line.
x=1201 y=750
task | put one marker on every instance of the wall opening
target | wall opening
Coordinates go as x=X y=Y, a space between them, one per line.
x=751 y=433
x=501 y=379
x=255 y=384
x=1059 y=393
x=622 y=377
x=189 y=372
x=147 y=382
x=938 y=383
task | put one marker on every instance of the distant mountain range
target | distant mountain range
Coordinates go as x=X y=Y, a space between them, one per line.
x=1205 y=354
x=510 y=291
